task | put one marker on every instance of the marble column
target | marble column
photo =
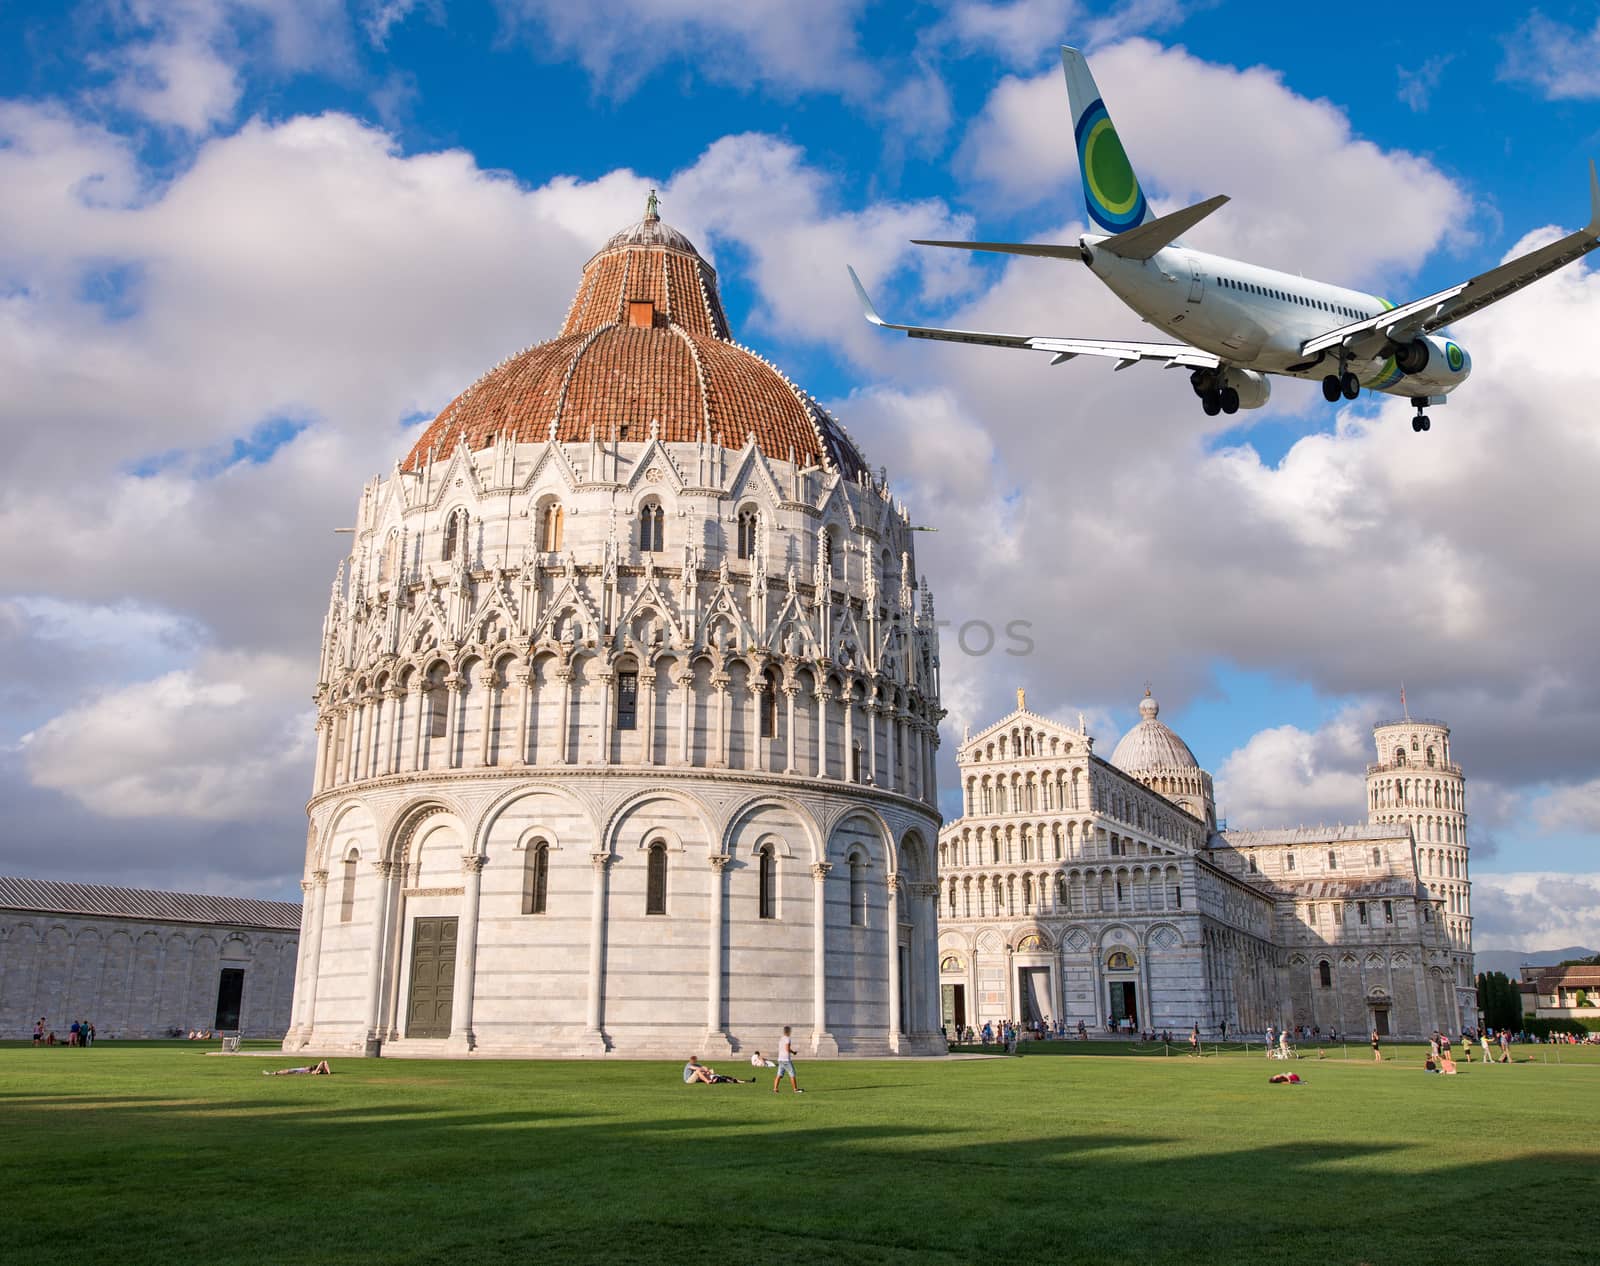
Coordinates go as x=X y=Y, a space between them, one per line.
x=848 y=773
x=396 y=696
x=487 y=680
x=891 y=736
x=319 y=879
x=452 y=721
x=647 y=700
x=716 y=1038
x=564 y=674
x=383 y=929
x=524 y=699
x=597 y=951
x=683 y=678
x=893 y=901
x=462 y=1038
x=720 y=682
x=871 y=711
x=822 y=1042
x=602 y=755
x=823 y=695
x=419 y=697
x=303 y=976
x=789 y=693
x=320 y=769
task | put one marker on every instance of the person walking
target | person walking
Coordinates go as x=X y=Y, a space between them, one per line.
x=38 y=1032
x=1505 y=1047
x=1377 y=1055
x=786 y=1063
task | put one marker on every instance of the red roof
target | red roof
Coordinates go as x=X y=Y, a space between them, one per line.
x=619 y=368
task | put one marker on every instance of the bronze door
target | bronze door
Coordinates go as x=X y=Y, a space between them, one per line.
x=433 y=977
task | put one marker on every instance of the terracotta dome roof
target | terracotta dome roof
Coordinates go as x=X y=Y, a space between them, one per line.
x=1152 y=745
x=645 y=344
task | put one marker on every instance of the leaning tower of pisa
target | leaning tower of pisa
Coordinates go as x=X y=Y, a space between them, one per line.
x=1415 y=781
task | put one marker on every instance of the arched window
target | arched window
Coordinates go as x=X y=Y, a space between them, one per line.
x=347 y=889
x=535 y=877
x=855 y=762
x=1399 y=756
x=438 y=710
x=747 y=533
x=652 y=520
x=551 y=524
x=1430 y=757
x=858 y=890
x=1325 y=974
x=768 y=908
x=455 y=535
x=627 y=701
x=655 y=889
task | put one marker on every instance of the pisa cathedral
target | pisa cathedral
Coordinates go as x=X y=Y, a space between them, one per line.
x=627 y=712
x=1103 y=892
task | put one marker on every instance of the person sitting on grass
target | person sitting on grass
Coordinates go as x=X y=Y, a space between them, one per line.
x=758 y=1060
x=694 y=1071
x=319 y=1069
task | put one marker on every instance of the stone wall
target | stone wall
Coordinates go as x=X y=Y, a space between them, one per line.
x=137 y=979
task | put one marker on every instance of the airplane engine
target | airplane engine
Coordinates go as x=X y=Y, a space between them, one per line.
x=1253 y=388
x=1439 y=360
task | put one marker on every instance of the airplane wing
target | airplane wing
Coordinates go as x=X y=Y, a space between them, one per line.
x=1172 y=355
x=1425 y=315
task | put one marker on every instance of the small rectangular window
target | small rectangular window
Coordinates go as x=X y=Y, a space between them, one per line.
x=641 y=313
x=1291 y=861
x=1338 y=913
x=1388 y=912
x=1361 y=913
x=1177 y=897
x=627 y=701
x=1333 y=860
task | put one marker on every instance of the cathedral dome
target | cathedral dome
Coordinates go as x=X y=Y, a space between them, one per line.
x=1152 y=745
x=645 y=350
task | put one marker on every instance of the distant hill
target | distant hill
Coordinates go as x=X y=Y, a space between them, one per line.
x=1512 y=961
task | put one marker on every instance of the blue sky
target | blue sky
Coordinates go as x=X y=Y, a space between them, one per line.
x=253 y=244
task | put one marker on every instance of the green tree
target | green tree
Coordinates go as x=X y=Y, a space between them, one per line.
x=1500 y=1000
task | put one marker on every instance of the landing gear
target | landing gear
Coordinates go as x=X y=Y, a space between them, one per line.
x=1421 y=422
x=1216 y=395
x=1343 y=384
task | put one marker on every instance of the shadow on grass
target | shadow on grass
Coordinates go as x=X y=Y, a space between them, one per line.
x=603 y=1167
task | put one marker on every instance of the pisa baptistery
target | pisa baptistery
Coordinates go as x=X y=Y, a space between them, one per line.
x=627 y=712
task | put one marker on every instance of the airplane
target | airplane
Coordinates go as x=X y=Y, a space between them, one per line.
x=1240 y=323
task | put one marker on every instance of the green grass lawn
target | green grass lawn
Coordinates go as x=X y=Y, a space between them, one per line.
x=155 y=1152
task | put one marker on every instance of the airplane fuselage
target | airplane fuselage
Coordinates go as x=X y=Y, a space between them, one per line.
x=1258 y=318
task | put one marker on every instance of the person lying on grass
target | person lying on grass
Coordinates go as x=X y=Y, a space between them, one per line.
x=319 y=1069
x=695 y=1071
x=1285 y=1079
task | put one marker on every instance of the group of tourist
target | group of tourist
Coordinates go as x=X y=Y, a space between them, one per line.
x=81 y=1033
x=696 y=1073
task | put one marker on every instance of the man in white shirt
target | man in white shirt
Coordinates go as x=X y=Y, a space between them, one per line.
x=785 y=1063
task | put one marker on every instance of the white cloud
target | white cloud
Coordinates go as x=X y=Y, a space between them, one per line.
x=1535 y=910
x=1416 y=86
x=1571 y=808
x=219 y=742
x=1286 y=776
x=1019 y=32
x=768 y=42
x=181 y=62
x=1561 y=61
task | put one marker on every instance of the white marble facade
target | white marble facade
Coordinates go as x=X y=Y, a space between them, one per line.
x=1072 y=888
x=652 y=721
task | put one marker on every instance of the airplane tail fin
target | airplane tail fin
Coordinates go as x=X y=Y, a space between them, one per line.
x=1110 y=189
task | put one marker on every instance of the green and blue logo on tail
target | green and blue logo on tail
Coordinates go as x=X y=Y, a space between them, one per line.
x=1109 y=186
x=1111 y=190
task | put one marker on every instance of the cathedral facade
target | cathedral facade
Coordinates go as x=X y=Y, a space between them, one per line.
x=627 y=712
x=1103 y=893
